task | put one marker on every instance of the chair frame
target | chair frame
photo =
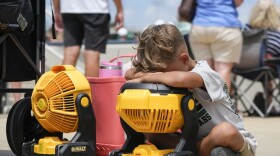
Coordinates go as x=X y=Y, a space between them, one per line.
x=264 y=74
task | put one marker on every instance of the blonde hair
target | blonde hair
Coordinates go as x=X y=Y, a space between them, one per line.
x=157 y=46
x=265 y=15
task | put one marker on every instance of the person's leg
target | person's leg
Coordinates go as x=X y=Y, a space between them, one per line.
x=71 y=54
x=226 y=50
x=96 y=36
x=73 y=36
x=92 y=59
x=223 y=135
x=210 y=62
x=16 y=96
x=224 y=69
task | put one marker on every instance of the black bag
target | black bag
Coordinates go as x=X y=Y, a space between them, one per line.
x=16 y=16
x=13 y=65
x=187 y=10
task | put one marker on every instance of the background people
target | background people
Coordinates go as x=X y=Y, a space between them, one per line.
x=216 y=36
x=86 y=20
x=266 y=15
x=16 y=96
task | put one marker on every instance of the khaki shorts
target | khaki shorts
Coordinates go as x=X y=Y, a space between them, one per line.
x=222 y=44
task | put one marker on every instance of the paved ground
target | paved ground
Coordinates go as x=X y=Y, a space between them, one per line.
x=266 y=130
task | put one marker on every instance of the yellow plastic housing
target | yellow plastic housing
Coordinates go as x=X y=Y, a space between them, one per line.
x=47 y=145
x=148 y=150
x=150 y=112
x=54 y=95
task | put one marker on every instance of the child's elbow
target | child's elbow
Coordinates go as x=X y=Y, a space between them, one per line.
x=128 y=75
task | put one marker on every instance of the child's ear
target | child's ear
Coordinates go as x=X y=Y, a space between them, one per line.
x=184 y=58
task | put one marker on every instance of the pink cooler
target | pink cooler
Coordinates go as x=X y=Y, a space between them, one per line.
x=109 y=132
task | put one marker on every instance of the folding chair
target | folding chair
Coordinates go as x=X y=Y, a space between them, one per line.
x=253 y=68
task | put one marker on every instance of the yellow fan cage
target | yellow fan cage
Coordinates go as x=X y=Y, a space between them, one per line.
x=53 y=98
x=151 y=112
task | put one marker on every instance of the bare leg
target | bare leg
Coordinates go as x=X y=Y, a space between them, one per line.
x=224 y=69
x=16 y=96
x=210 y=63
x=92 y=59
x=223 y=135
x=71 y=55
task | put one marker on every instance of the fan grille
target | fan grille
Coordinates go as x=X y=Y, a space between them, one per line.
x=150 y=112
x=156 y=120
x=53 y=100
x=59 y=85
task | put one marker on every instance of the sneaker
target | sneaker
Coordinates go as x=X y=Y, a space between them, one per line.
x=223 y=151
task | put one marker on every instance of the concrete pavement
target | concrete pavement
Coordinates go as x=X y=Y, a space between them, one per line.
x=266 y=130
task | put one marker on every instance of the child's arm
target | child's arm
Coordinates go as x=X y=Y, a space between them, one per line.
x=174 y=78
x=130 y=74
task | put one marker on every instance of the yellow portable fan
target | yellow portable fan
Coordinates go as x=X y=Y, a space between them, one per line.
x=61 y=103
x=156 y=108
x=53 y=98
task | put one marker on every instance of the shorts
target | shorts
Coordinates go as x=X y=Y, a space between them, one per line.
x=92 y=28
x=222 y=44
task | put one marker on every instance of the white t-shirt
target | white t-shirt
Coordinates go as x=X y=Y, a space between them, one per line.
x=214 y=104
x=84 y=6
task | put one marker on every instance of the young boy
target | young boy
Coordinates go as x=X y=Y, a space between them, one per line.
x=162 y=57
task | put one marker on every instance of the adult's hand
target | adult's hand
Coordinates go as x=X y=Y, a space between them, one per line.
x=58 y=22
x=119 y=22
x=57 y=15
